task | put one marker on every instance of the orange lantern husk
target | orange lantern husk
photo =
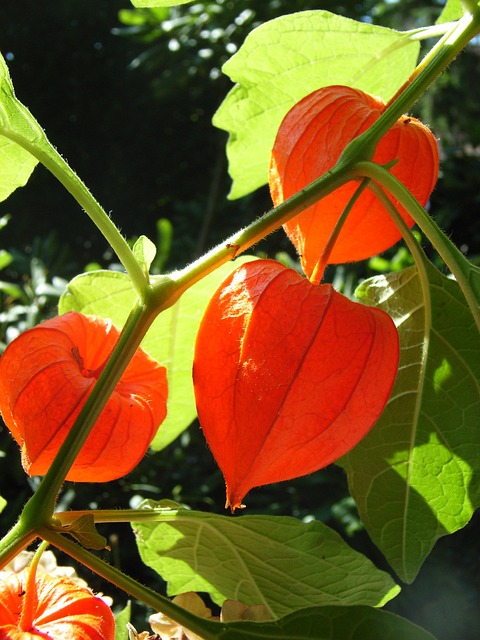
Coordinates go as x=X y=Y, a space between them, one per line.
x=288 y=375
x=47 y=374
x=309 y=142
x=56 y=608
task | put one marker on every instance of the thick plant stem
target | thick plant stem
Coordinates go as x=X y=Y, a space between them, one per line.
x=129 y=585
x=453 y=258
x=256 y=231
x=16 y=540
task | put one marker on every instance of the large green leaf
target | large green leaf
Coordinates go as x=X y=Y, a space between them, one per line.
x=326 y=623
x=170 y=340
x=287 y=58
x=416 y=476
x=16 y=164
x=279 y=562
x=321 y=623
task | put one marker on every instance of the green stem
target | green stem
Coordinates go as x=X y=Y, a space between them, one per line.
x=102 y=516
x=453 y=258
x=130 y=585
x=327 y=250
x=411 y=242
x=254 y=232
x=50 y=158
x=16 y=540
x=434 y=63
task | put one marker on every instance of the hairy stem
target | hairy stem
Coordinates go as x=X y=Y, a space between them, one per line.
x=129 y=585
x=453 y=258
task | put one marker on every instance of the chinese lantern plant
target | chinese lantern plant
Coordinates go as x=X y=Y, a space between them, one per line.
x=289 y=375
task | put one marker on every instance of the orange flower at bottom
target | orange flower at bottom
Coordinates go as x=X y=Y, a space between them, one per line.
x=47 y=374
x=56 y=609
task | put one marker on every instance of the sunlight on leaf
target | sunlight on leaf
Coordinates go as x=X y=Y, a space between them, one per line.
x=144 y=251
x=279 y=562
x=453 y=10
x=170 y=340
x=287 y=58
x=416 y=476
x=16 y=164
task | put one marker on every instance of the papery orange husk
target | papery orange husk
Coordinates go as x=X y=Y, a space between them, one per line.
x=288 y=375
x=309 y=142
x=63 y=611
x=46 y=375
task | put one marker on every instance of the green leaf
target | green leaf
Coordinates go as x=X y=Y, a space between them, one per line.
x=279 y=562
x=16 y=164
x=144 y=251
x=5 y=258
x=453 y=10
x=322 y=623
x=122 y=618
x=416 y=476
x=170 y=340
x=284 y=60
x=84 y=531
x=158 y=3
x=3 y=504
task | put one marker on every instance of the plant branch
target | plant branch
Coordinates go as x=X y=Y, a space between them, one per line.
x=129 y=585
x=453 y=258
x=16 y=540
x=327 y=250
x=256 y=231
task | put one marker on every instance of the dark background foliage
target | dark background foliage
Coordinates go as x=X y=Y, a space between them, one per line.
x=127 y=96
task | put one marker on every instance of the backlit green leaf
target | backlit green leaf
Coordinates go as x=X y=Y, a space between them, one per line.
x=279 y=562
x=416 y=476
x=83 y=529
x=170 y=340
x=16 y=164
x=453 y=10
x=287 y=58
x=144 y=251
